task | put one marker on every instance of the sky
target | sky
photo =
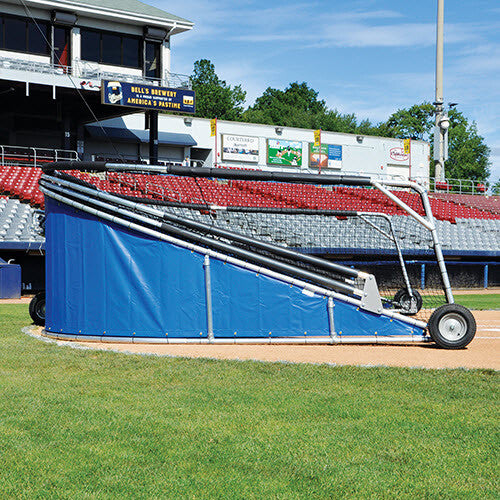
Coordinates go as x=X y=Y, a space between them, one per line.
x=368 y=57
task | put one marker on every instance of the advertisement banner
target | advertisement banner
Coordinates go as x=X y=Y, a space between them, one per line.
x=285 y=153
x=407 y=146
x=147 y=96
x=240 y=148
x=330 y=156
x=317 y=137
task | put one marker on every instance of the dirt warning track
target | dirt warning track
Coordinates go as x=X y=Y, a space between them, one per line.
x=483 y=352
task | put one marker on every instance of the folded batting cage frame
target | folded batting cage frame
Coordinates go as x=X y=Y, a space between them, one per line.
x=153 y=253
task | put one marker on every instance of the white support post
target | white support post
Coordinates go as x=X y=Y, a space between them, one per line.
x=208 y=294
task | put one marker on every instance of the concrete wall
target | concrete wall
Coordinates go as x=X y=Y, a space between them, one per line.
x=360 y=154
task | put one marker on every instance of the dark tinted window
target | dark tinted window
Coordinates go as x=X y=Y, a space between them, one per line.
x=131 y=52
x=91 y=46
x=37 y=35
x=15 y=34
x=152 y=62
x=111 y=49
x=61 y=46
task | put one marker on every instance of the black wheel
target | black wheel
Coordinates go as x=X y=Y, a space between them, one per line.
x=409 y=304
x=452 y=326
x=37 y=309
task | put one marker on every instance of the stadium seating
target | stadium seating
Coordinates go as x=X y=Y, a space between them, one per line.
x=460 y=224
x=489 y=203
x=17 y=222
x=22 y=182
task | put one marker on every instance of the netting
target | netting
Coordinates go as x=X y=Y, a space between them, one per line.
x=355 y=227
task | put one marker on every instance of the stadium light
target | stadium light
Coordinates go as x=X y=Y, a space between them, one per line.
x=442 y=123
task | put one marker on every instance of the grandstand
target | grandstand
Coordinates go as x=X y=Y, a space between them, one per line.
x=468 y=226
x=461 y=227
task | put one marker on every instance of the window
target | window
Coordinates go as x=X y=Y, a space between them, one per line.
x=131 y=52
x=152 y=60
x=91 y=46
x=24 y=35
x=62 y=55
x=111 y=48
x=37 y=38
x=15 y=34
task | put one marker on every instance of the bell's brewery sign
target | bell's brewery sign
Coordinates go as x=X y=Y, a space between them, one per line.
x=147 y=96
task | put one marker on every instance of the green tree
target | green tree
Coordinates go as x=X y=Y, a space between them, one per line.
x=412 y=123
x=214 y=97
x=468 y=154
x=297 y=106
x=467 y=151
x=495 y=189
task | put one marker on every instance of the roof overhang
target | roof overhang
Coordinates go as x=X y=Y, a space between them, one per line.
x=138 y=136
x=174 y=25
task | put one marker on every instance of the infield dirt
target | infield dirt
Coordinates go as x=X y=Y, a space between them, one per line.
x=483 y=352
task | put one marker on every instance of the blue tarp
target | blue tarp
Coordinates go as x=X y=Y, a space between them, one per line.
x=10 y=280
x=103 y=279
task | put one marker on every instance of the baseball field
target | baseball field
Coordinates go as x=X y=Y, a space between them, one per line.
x=86 y=423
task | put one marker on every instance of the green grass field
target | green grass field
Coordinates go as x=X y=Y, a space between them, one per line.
x=474 y=301
x=89 y=424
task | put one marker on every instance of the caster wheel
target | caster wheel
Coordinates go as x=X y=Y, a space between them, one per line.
x=452 y=326
x=409 y=304
x=37 y=309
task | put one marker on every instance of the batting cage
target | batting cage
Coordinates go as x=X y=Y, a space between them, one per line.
x=178 y=254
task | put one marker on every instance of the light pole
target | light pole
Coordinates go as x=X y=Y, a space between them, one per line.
x=442 y=122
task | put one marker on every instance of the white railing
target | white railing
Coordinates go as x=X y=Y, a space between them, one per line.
x=33 y=157
x=456 y=186
x=93 y=71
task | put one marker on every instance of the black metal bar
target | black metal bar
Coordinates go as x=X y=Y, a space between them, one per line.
x=208 y=229
x=219 y=173
x=265 y=175
x=274 y=249
x=153 y=137
x=197 y=238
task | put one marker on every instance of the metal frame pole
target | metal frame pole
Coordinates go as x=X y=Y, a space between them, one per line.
x=439 y=163
x=437 y=248
x=331 y=320
x=153 y=137
x=208 y=294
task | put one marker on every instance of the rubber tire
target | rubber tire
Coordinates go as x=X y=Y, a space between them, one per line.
x=403 y=293
x=440 y=313
x=37 y=309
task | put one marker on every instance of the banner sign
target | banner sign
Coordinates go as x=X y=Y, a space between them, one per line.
x=213 y=127
x=282 y=152
x=147 y=96
x=406 y=146
x=331 y=156
x=317 y=137
x=240 y=148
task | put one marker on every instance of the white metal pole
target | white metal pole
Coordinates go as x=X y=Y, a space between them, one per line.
x=439 y=136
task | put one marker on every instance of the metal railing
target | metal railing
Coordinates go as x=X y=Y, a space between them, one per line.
x=33 y=157
x=455 y=186
x=93 y=71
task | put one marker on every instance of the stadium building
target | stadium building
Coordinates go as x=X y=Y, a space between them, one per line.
x=65 y=67
x=54 y=56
